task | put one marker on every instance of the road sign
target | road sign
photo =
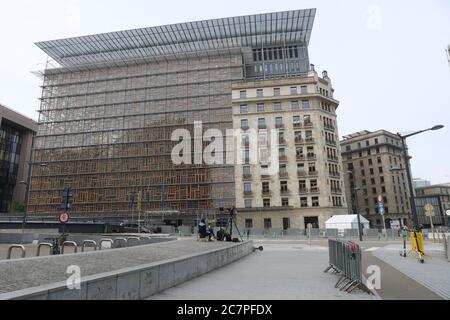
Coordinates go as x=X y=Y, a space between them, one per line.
x=380 y=198
x=447 y=212
x=64 y=217
x=429 y=210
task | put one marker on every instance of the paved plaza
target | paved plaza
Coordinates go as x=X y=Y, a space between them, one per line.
x=283 y=271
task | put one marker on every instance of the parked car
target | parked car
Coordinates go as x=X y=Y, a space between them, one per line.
x=135 y=228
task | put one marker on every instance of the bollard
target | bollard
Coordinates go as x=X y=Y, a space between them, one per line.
x=69 y=243
x=89 y=242
x=44 y=244
x=15 y=246
x=106 y=240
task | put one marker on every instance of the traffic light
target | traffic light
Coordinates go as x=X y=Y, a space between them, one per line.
x=67 y=199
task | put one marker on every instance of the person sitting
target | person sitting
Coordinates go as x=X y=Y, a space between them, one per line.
x=203 y=231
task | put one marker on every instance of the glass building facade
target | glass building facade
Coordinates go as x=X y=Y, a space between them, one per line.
x=10 y=148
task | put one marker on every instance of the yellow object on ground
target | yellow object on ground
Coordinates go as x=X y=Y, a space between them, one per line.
x=417 y=246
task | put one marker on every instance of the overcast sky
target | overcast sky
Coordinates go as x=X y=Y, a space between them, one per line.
x=386 y=59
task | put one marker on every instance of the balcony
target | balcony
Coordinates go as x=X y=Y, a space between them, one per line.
x=336 y=190
x=265 y=193
x=308 y=124
x=265 y=176
x=262 y=126
x=303 y=191
x=313 y=173
x=315 y=190
x=281 y=141
x=298 y=140
x=332 y=158
x=309 y=140
x=282 y=158
x=301 y=173
x=279 y=125
x=301 y=157
x=297 y=125
x=248 y=193
x=329 y=128
x=245 y=127
x=247 y=176
x=283 y=174
x=335 y=174
x=331 y=143
x=284 y=192
x=311 y=156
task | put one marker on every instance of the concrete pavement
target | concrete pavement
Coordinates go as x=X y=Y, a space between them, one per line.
x=283 y=271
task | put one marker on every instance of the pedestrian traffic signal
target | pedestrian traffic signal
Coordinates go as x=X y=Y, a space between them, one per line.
x=67 y=199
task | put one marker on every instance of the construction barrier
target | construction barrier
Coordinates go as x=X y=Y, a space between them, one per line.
x=345 y=259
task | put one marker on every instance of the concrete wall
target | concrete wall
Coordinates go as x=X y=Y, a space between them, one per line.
x=138 y=282
x=16 y=238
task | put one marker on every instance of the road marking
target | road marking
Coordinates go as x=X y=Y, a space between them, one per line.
x=372 y=249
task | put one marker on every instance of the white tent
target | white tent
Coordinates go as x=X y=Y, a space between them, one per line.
x=346 y=221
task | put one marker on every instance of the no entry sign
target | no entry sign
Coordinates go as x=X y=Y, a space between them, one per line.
x=64 y=217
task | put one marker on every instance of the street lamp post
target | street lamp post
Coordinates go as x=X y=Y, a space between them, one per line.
x=355 y=205
x=408 y=169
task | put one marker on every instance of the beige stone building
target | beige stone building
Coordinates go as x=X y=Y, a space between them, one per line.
x=302 y=182
x=368 y=159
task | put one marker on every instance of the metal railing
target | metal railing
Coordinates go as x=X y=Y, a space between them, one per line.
x=345 y=259
x=15 y=246
x=90 y=243
x=44 y=244
x=69 y=243
x=100 y=246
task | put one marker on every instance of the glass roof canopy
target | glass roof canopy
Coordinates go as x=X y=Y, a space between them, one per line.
x=270 y=29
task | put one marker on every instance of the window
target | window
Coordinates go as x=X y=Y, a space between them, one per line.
x=294 y=105
x=298 y=136
x=259 y=93
x=293 y=90
x=380 y=169
x=260 y=107
x=247 y=187
x=276 y=91
x=277 y=106
x=244 y=124
x=370 y=162
x=304 y=202
x=315 y=201
x=267 y=223
x=279 y=121
x=308 y=135
x=262 y=123
x=305 y=104
x=304 y=89
x=265 y=187
x=244 y=108
x=281 y=152
x=247 y=171
x=248 y=203
x=296 y=120
x=283 y=186
x=266 y=203
x=286 y=223
x=248 y=223
x=243 y=94
x=307 y=119
x=285 y=202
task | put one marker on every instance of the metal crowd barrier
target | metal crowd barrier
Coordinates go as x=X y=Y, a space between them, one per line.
x=345 y=259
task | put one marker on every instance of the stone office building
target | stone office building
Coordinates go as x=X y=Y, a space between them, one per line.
x=16 y=135
x=368 y=159
x=110 y=107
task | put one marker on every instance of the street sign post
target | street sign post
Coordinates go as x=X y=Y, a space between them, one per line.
x=381 y=211
x=64 y=218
